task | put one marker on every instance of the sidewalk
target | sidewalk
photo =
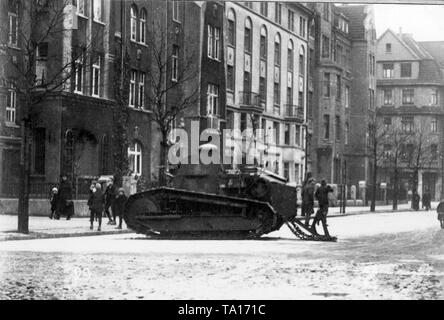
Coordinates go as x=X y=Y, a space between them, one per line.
x=43 y=227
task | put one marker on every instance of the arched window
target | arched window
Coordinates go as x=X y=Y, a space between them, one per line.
x=133 y=13
x=142 y=26
x=248 y=36
x=277 y=50
x=135 y=158
x=263 y=44
x=302 y=61
x=231 y=28
x=290 y=57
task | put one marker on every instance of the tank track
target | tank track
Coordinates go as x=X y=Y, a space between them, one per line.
x=301 y=232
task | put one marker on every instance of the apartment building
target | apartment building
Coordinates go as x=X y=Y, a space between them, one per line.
x=266 y=50
x=410 y=90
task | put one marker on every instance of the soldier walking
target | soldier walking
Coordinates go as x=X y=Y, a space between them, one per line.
x=321 y=215
x=110 y=197
x=308 y=200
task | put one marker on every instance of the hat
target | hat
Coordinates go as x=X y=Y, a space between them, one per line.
x=54 y=189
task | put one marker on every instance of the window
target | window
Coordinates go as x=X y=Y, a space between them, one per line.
x=407 y=124
x=11 y=104
x=406 y=152
x=371 y=99
x=176 y=12
x=230 y=120
x=302 y=61
x=338 y=87
x=278 y=12
x=247 y=36
x=387 y=122
x=290 y=95
x=302 y=27
x=212 y=99
x=135 y=158
x=347 y=96
x=81 y=7
x=388 y=97
x=78 y=75
x=325 y=47
x=346 y=132
x=434 y=151
x=264 y=8
x=388 y=70
x=175 y=63
x=406 y=70
x=277 y=50
x=39 y=149
x=13 y=28
x=213 y=42
x=388 y=48
x=287 y=134
x=96 y=77
x=290 y=56
x=247 y=87
x=263 y=89
x=42 y=50
x=434 y=125
x=230 y=78
x=296 y=173
x=133 y=14
x=338 y=127
x=142 y=26
x=297 y=135
x=290 y=20
x=326 y=90
x=231 y=28
x=326 y=126
x=434 y=97
x=277 y=93
x=97 y=10
x=326 y=11
x=287 y=170
x=132 y=89
x=408 y=96
x=263 y=44
x=277 y=133
x=243 y=122
x=141 y=87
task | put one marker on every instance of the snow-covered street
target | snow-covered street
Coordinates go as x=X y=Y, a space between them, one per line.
x=378 y=256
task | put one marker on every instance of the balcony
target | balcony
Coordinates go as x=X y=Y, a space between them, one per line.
x=250 y=102
x=294 y=113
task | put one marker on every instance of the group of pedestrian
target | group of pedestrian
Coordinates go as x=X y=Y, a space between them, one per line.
x=309 y=193
x=100 y=202
x=61 y=200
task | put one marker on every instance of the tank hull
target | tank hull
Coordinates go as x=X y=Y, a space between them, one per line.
x=175 y=213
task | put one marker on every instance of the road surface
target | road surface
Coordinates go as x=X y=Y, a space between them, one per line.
x=378 y=256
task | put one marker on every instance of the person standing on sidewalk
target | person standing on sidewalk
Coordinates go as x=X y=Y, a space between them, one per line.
x=54 y=201
x=426 y=200
x=110 y=197
x=119 y=205
x=321 y=215
x=308 y=200
x=97 y=203
x=65 y=206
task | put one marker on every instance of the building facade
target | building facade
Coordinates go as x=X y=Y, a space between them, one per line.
x=266 y=49
x=344 y=86
x=410 y=90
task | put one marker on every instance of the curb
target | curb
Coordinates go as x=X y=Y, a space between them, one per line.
x=34 y=236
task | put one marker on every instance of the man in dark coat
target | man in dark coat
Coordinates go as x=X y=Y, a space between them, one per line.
x=110 y=197
x=426 y=200
x=308 y=200
x=415 y=201
x=321 y=215
x=65 y=196
x=97 y=201
x=440 y=210
x=119 y=205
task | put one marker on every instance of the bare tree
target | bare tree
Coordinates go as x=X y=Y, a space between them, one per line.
x=393 y=145
x=378 y=135
x=172 y=85
x=37 y=74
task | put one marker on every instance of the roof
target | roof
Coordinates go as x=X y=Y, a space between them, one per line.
x=356 y=15
x=414 y=46
x=429 y=70
x=435 y=49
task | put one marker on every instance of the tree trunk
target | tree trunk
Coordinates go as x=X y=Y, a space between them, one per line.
x=395 y=189
x=23 y=200
x=375 y=170
x=414 y=183
x=163 y=160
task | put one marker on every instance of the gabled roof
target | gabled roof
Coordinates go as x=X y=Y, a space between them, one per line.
x=408 y=47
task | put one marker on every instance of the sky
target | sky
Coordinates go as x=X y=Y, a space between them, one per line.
x=424 y=22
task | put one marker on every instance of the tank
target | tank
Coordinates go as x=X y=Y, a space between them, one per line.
x=208 y=201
